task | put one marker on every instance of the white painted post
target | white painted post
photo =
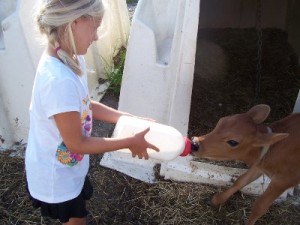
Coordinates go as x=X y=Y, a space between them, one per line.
x=158 y=74
x=17 y=69
x=297 y=103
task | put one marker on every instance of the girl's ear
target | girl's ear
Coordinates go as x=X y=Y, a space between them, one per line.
x=74 y=23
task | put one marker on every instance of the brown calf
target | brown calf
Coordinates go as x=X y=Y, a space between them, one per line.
x=273 y=150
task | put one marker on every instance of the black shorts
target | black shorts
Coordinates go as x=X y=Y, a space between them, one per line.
x=74 y=208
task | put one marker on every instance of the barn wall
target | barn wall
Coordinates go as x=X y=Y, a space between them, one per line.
x=293 y=25
x=281 y=14
x=242 y=13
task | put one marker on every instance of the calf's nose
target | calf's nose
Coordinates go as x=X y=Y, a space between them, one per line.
x=195 y=144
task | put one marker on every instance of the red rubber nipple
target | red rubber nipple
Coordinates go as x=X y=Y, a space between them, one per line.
x=188 y=147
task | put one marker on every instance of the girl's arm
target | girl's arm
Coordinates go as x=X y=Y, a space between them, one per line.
x=106 y=113
x=69 y=126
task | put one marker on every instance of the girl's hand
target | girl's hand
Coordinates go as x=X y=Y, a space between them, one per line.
x=139 y=145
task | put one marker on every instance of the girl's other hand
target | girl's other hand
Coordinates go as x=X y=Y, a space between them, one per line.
x=139 y=145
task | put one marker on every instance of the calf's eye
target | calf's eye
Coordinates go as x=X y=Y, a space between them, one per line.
x=232 y=143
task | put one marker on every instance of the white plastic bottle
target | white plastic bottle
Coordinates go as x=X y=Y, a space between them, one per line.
x=170 y=141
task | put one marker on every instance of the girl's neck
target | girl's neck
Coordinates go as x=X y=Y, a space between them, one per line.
x=50 y=51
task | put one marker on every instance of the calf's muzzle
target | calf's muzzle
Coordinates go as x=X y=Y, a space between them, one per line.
x=195 y=144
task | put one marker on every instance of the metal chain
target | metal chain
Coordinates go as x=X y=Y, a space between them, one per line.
x=259 y=58
x=259 y=47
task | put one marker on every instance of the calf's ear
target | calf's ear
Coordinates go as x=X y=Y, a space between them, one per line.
x=268 y=139
x=259 y=113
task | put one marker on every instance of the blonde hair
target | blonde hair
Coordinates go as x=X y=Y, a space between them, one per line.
x=54 y=18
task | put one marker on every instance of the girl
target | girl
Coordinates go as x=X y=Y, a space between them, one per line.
x=61 y=113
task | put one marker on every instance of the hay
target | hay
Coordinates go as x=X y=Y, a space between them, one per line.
x=122 y=200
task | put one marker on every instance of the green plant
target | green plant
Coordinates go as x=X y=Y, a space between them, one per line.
x=114 y=73
x=131 y=1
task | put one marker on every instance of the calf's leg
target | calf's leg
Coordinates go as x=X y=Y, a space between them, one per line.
x=261 y=205
x=252 y=174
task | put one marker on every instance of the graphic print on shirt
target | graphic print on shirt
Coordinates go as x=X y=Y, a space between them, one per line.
x=86 y=120
x=87 y=102
x=67 y=157
x=63 y=154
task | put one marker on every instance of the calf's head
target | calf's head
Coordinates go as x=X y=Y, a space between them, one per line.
x=237 y=137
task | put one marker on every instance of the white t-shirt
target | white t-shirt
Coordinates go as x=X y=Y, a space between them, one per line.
x=53 y=172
